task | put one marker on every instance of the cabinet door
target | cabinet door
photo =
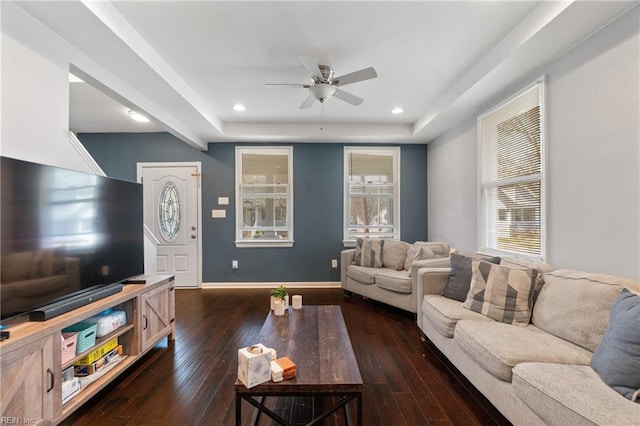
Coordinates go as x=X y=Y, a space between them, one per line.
x=156 y=316
x=29 y=390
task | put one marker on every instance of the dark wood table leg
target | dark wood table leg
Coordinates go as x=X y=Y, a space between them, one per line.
x=238 y=409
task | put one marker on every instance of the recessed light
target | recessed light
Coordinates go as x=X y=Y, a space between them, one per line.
x=138 y=117
x=397 y=110
x=239 y=107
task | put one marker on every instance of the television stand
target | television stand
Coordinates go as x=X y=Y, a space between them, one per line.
x=31 y=364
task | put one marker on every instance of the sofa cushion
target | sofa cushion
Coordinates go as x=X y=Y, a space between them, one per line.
x=617 y=358
x=498 y=347
x=566 y=394
x=368 y=253
x=444 y=313
x=438 y=249
x=503 y=294
x=362 y=274
x=394 y=254
x=398 y=281
x=459 y=280
x=575 y=305
x=414 y=253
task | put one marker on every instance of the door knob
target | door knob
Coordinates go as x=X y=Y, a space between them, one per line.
x=193 y=228
x=193 y=236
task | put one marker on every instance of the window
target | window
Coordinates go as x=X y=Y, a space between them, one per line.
x=264 y=197
x=372 y=193
x=511 y=176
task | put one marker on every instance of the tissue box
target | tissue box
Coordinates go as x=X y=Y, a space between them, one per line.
x=254 y=369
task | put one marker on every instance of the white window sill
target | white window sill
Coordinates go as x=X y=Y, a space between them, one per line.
x=263 y=243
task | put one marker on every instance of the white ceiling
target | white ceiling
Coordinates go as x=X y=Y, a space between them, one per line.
x=186 y=63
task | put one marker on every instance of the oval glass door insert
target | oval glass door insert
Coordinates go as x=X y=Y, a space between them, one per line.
x=169 y=209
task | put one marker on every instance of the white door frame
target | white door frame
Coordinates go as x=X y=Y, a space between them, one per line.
x=198 y=166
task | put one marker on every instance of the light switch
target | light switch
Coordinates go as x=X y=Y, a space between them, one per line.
x=218 y=213
x=223 y=201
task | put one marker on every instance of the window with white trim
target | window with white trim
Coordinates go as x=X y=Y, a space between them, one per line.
x=511 y=166
x=264 y=196
x=371 y=192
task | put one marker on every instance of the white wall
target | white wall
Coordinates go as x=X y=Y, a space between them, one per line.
x=593 y=159
x=35 y=96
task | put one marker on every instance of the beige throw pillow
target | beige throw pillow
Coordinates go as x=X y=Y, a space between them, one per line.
x=393 y=254
x=501 y=293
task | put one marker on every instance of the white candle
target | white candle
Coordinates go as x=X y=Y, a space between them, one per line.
x=278 y=308
x=297 y=301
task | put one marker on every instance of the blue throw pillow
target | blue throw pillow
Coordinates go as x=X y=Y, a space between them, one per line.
x=617 y=358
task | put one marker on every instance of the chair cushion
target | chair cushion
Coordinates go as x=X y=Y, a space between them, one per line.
x=575 y=305
x=398 y=281
x=565 y=394
x=394 y=254
x=444 y=313
x=362 y=274
x=617 y=358
x=502 y=293
x=459 y=280
x=498 y=347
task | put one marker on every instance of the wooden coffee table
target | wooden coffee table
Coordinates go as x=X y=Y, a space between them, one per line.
x=315 y=338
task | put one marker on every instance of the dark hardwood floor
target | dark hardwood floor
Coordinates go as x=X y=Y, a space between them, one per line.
x=190 y=381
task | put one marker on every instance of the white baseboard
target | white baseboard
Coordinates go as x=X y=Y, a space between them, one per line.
x=318 y=284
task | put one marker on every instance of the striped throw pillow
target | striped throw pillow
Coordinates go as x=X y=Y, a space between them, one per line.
x=501 y=293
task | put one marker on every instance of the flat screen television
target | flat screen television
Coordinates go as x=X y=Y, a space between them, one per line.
x=64 y=233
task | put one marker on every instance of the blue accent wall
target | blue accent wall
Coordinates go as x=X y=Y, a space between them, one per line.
x=317 y=195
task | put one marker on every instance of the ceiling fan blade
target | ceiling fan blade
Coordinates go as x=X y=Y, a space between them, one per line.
x=311 y=65
x=354 y=77
x=308 y=102
x=292 y=85
x=348 y=97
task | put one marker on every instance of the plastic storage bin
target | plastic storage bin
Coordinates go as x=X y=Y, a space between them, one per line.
x=108 y=321
x=86 y=335
x=69 y=341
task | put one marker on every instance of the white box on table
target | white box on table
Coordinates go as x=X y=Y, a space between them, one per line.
x=254 y=368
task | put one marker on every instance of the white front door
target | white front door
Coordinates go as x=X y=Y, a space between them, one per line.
x=171 y=193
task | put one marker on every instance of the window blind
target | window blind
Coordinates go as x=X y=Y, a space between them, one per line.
x=511 y=192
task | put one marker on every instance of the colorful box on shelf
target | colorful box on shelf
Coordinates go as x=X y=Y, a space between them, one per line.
x=87 y=369
x=86 y=335
x=69 y=341
x=99 y=352
x=108 y=321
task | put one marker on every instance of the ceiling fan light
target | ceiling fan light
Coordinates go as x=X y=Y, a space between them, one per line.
x=322 y=91
x=136 y=116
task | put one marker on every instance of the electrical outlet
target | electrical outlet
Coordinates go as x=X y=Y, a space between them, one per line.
x=234 y=264
x=334 y=263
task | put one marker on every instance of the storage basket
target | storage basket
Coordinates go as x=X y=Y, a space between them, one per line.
x=86 y=335
x=69 y=341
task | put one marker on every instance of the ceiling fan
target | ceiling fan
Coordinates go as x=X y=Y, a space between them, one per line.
x=324 y=85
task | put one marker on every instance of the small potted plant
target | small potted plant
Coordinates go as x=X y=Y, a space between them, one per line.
x=280 y=293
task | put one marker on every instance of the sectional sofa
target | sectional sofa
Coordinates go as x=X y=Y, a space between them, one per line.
x=539 y=373
x=386 y=270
